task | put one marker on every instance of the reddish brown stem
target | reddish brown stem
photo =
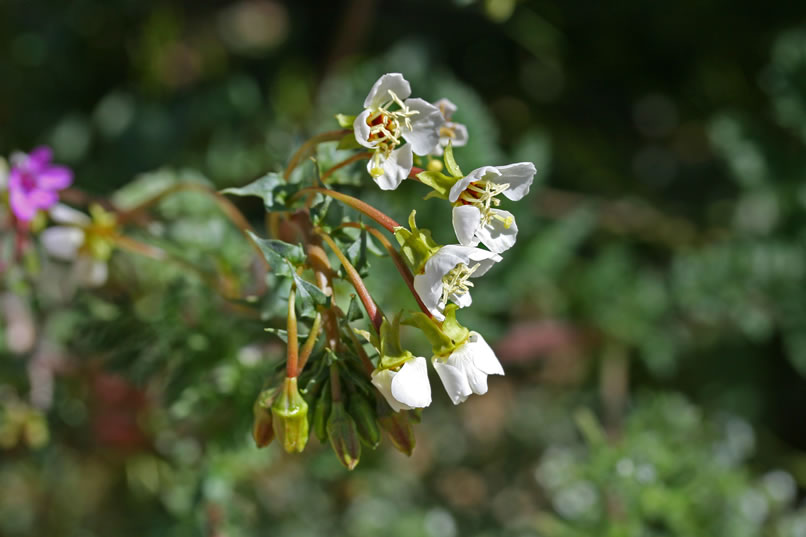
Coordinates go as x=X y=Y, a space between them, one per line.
x=374 y=312
x=343 y=163
x=381 y=218
x=328 y=136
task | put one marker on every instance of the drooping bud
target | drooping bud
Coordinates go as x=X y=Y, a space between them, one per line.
x=262 y=430
x=365 y=420
x=321 y=412
x=290 y=417
x=397 y=426
x=416 y=245
x=343 y=435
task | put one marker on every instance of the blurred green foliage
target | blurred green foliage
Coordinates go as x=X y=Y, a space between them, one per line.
x=651 y=319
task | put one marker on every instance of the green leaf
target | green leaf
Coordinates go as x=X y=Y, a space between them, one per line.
x=282 y=333
x=282 y=256
x=450 y=162
x=345 y=121
x=310 y=296
x=357 y=254
x=267 y=187
x=354 y=311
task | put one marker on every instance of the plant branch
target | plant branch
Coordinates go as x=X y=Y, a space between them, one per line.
x=381 y=218
x=292 y=355
x=328 y=136
x=374 y=312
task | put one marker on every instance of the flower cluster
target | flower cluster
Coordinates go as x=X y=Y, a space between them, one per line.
x=404 y=138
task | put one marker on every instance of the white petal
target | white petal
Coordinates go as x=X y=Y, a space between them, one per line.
x=379 y=93
x=382 y=379
x=410 y=386
x=361 y=129
x=483 y=355
x=495 y=235
x=487 y=173
x=454 y=380
x=519 y=176
x=470 y=256
x=429 y=288
x=62 y=242
x=466 y=222
x=395 y=168
x=463 y=301
x=424 y=133
x=460 y=136
x=90 y=272
x=446 y=107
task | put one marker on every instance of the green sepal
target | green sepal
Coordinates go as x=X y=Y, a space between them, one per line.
x=392 y=354
x=444 y=337
x=343 y=435
x=290 y=417
x=450 y=162
x=416 y=245
x=345 y=121
x=321 y=412
x=438 y=181
x=365 y=420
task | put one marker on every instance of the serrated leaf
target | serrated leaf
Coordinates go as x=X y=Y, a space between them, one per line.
x=345 y=121
x=264 y=187
x=281 y=256
x=310 y=296
x=357 y=254
x=450 y=162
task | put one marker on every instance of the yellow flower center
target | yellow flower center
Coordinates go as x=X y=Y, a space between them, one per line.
x=457 y=282
x=386 y=128
x=483 y=195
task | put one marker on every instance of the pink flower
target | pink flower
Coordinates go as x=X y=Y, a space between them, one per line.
x=34 y=183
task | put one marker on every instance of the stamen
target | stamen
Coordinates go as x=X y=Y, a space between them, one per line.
x=386 y=128
x=456 y=282
x=482 y=194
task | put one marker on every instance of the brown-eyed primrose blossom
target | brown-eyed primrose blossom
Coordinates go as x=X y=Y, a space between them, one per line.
x=343 y=388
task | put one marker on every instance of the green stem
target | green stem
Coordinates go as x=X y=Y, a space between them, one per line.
x=374 y=312
x=381 y=218
x=307 y=347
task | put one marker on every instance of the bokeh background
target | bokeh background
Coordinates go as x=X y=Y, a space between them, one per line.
x=651 y=319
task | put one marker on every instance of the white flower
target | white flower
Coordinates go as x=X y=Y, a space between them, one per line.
x=69 y=242
x=384 y=129
x=449 y=132
x=475 y=217
x=465 y=371
x=445 y=276
x=407 y=388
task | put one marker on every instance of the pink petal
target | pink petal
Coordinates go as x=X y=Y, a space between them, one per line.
x=43 y=199
x=23 y=208
x=55 y=178
x=39 y=158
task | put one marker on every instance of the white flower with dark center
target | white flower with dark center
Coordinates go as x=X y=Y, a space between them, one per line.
x=450 y=132
x=476 y=217
x=465 y=371
x=81 y=240
x=390 y=120
x=407 y=387
x=446 y=276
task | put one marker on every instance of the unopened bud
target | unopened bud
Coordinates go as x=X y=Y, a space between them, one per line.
x=262 y=431
x=290 y=417
x=396 y=425
x=343 y=434
x=365 y=420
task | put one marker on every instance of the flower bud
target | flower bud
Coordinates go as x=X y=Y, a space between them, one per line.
x=365 y=420
x=262 y=430
x=321 y=411
x=343 y=434
x=416 y=245
x=396 y=425
x=290 y=417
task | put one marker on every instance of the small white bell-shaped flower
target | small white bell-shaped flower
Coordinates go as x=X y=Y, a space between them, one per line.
x=450 y=132
x=476 y=217
x=406 y=388
x=388 y=121
x=465 y=370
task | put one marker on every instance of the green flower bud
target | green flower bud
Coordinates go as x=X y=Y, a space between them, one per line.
x=343 y=434
x=262 y=431
x=365 y=420
x=396 y=425
x=290 y=417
